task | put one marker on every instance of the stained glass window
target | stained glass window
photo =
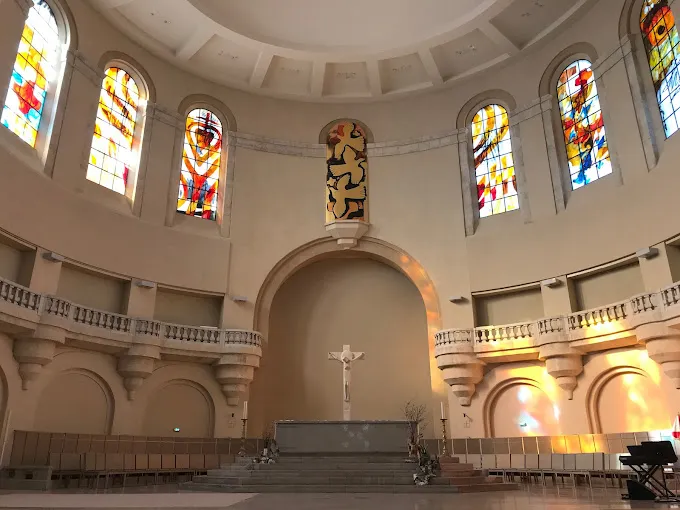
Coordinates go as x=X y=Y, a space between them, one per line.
x=111 y=154
x=661 y=43
x=494 y=165
x=201 y=160
x=34 y=72
x=582 y=124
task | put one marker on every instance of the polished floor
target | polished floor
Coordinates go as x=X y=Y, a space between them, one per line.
x=534 y=499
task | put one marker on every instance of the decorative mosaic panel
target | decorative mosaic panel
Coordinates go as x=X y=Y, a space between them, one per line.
x=661 y=39
x=347 y=166
x=582 y=124
x=112 y=154
x=34 y=72
x=494 y=163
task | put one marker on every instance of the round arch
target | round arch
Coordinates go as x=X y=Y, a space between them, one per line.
x=216 y=106
x=495 y=393
x=582 y=50
x=595 y=389
x=472 y=106
x=134 y=68
x=377 y=249
x=323 y=134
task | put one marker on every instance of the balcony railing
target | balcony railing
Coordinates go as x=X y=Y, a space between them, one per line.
x=116 y=323
x=574 y=326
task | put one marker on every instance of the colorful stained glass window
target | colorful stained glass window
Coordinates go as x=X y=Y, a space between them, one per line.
x=201 y=160
x=494 y=164
x=661 y=43
x=111 y=154
x=34 y=72
x=582 y=124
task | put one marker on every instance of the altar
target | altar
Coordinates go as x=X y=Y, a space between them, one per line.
x=342 y=437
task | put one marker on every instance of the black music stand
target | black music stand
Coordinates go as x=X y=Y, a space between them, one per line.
x=646 y=460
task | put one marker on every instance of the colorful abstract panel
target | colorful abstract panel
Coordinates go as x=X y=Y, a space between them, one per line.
x=661 y=39
x=201 y=160
x=34 y=72
x=111 y=154
x=494 y=164
x=582 y=124
x=347 y=167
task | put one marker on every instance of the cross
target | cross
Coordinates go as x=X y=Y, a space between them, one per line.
x=347 y=357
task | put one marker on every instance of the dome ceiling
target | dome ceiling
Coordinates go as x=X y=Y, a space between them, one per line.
x=333 y=51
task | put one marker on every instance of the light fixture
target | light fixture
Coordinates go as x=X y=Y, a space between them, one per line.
x=53 y=257
x=457 y=299
x=145 y=284
x=176 y=429
x=551 y=283
x=239 y=299
x=647 y=253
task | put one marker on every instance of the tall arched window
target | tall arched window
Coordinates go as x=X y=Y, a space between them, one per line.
x=661 y=43
x=112 y=155
x=201 y=163
x=582 y=124
x=494 y=164
x=34 y=73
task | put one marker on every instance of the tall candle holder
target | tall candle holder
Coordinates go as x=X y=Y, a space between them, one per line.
x=444 y=453
x=242 y=451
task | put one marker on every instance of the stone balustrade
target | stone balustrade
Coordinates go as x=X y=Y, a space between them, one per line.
x=40 y=322
x=651 y=319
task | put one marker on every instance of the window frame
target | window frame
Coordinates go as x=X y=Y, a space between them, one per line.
x=222 y=222
x=41 y=156
x=139 y=136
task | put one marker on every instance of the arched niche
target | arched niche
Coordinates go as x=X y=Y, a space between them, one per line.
x=368 y=247
x=179 y=404
x=626 y=399
x=520 y=407
x=75 y=401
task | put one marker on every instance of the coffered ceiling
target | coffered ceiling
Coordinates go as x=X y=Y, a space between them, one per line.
x=347 y=50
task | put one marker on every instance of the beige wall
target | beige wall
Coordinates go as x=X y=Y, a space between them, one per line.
x=508 y=308
x=359 y=302
x=673 y=253
x=619 y=391
x=95 y=290
x=75 y=402
x=10 y=262
x=610 y=286
x=182 y=308
x=183 y=405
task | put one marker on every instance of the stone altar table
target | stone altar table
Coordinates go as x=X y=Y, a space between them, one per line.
x=342 y=437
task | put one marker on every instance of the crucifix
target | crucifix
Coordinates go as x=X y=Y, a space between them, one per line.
x=347 y=357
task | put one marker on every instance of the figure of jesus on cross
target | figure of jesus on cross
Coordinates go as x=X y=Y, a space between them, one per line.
x=347 y=357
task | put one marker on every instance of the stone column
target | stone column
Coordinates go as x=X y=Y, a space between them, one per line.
x=461 y=369
x=35 y=350
x=558 y=300
x=656 y=271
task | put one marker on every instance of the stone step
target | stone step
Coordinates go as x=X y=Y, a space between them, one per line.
x=321 y=488
x=309 y=480
x=330 y=466
x=193 y=487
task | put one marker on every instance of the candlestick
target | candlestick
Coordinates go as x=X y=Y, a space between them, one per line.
x=443 y=416
x=242 y=451
x=245 y=409
x=444 y=454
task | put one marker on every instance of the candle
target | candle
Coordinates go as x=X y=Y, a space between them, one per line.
x=443 y=416
x=245 y=409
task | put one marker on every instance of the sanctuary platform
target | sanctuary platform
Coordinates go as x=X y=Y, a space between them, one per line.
x=342 y=437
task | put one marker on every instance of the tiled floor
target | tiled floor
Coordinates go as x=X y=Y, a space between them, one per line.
x=536 y=499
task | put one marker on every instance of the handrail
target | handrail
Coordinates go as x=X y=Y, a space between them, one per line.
x=599 y=315
x=504 y=332
x=453 y=336
x=54 y=306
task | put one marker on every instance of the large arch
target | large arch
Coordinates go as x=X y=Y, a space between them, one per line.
x=595 y=390
x=369 y=247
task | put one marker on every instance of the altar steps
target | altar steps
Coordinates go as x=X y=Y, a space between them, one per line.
x=342 y=474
